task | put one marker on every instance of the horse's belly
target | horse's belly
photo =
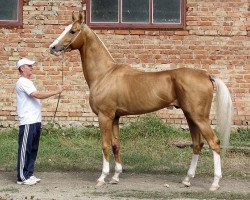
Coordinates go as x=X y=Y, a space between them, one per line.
x=141 y=107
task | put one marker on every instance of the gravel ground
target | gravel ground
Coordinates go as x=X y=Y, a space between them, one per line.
x=81 y=186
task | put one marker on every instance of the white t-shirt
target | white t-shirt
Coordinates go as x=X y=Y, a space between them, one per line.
x=28 y=107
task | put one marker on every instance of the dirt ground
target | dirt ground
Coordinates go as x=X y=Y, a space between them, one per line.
x=81 y=186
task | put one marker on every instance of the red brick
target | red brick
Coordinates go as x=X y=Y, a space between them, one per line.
x=122 y=32
x=137 y=32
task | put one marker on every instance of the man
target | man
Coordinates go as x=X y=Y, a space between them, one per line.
x=29 y=114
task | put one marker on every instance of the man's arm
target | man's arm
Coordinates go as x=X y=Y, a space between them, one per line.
x=44 y=95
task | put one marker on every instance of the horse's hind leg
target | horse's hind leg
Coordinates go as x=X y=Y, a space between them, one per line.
x=213 y=142
x=116 y=151
x=197 y=146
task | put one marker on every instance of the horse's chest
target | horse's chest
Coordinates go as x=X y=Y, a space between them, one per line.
x=95 y=102
x=102 y=102
x=92 y=103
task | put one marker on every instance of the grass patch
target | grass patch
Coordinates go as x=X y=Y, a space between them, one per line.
x=147 y=146
x=240 y=138
x=8 y=149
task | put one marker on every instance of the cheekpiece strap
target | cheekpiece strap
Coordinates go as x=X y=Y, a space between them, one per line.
x=82 y=26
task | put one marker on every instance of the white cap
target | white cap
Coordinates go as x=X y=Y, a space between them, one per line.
x=25 y=61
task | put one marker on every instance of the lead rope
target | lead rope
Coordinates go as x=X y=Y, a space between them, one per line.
x=59 y=96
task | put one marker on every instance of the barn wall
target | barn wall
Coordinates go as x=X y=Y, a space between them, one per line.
x=216 y=39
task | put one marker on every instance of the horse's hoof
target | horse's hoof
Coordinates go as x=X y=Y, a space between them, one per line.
x=214 y=188
x=186 y=183
x=114 y=181
x=99 y=184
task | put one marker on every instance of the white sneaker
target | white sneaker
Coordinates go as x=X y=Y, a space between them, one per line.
x=27 y=182
x=35 y=179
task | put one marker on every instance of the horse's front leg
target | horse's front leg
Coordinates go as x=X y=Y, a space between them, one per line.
x=116 y=151
x=105 y=124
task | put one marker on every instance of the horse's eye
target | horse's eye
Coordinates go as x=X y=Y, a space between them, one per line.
x=72 y=32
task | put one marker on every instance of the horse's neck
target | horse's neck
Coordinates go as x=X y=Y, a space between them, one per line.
x=96 y=59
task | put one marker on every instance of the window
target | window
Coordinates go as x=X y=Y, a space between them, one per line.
x=11 y=12
x=136 y=13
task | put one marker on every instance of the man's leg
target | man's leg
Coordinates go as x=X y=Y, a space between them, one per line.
x=23 y=152
x=34 y=150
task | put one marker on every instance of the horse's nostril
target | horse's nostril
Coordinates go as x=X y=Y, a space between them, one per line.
x=52 y=50
x=54 y=47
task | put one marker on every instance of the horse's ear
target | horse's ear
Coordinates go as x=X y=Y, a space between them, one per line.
x=74 y=18
x=81 y=16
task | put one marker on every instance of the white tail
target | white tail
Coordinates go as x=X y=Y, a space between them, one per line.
x=224 y=111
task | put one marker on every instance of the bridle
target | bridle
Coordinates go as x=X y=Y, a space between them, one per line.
x=81 y=29
x=63 y=61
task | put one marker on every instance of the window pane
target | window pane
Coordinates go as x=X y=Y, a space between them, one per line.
x=8 y=9
x=104 y=11
x=166 y=11
x=135 y=11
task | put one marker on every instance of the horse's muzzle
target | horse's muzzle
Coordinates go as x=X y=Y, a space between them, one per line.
x=56 y=50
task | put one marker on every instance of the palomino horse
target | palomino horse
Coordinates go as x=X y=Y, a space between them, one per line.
x=117 y=90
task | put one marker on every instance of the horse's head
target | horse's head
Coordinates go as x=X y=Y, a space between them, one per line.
x=70 y=38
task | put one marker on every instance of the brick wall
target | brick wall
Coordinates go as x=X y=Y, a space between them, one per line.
x=216 y=38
